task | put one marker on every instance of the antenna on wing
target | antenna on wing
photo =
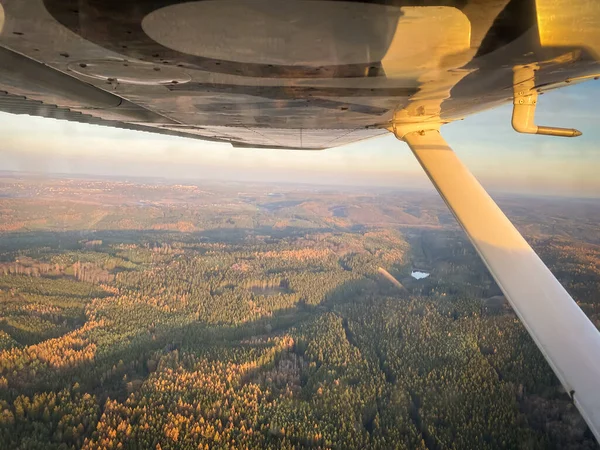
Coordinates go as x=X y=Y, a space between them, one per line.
x=525 y=101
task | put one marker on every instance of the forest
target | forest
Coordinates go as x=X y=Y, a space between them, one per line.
x=156 y=316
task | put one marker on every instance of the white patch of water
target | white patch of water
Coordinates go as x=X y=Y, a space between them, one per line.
x=418 y=275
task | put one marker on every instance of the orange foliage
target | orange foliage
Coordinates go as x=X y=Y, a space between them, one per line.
x=69 y=350
x=302 y=254
x=182 y=226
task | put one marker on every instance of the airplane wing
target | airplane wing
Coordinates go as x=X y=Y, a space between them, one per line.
x=33 y=88
x=305 y=75
x=311 y=76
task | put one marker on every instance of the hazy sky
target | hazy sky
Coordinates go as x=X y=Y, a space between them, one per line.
x=502 y=159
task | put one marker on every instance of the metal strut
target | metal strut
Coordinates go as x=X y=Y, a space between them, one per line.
x=524 y=103
x=568 y=340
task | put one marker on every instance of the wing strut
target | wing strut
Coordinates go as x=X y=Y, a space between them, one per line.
x=568 y=340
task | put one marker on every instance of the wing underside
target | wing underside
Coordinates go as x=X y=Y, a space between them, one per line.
x=299 y=74
x=35 y=89
x=305 y=75
x=241 y=137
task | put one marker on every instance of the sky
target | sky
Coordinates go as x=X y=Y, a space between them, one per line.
x=503 y=160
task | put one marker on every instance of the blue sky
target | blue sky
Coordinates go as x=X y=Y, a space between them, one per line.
x=502 y=159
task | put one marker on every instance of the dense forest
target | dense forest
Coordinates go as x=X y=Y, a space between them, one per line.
x=219 y=318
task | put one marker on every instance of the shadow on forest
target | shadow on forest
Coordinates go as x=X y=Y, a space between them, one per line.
x=144 y=344
x=100 y=378
x=75 y=240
